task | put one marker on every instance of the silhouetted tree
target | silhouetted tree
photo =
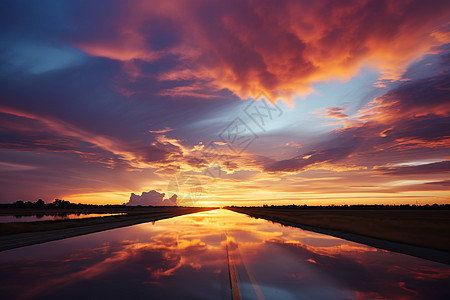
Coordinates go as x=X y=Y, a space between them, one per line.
x=19 y=203
x=40 y=203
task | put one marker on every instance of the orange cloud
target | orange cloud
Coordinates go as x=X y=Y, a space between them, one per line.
x=279 y=48
x=332 y=112
x=45 y=133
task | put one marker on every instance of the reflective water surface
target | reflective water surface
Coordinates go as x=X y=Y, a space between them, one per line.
x=188 y=257
x=33 y=218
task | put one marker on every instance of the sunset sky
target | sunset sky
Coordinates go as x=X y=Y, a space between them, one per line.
x=225 y=102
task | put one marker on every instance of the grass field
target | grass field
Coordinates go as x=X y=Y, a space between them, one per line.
x=421 y=227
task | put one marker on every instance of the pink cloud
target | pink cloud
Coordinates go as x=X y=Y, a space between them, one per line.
x=247 y=46
x=152 y=198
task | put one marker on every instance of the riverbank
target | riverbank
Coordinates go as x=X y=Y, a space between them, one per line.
x=15 y=235
x=418 y=233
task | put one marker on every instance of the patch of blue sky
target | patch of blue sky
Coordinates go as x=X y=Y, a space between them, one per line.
x=298 y=122
x=42 y=58
x=303 y=116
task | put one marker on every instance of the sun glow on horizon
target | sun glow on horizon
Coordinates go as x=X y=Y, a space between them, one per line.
x=226 y=103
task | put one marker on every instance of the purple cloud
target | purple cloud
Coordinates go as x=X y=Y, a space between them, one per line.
x=152 y=198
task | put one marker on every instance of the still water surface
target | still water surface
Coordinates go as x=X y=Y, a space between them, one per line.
x=34 y=218
x=188 y=257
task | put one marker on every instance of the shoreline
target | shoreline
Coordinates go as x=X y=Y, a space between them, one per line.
x=416 y=251
x=17 y=240
x=92 y=225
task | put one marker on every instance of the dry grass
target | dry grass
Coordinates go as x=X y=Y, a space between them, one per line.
x=425 y=228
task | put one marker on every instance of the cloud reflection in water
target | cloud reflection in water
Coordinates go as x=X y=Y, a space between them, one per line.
x=185 y=258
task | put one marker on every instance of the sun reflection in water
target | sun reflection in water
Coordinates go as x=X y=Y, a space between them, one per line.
x=192 y=256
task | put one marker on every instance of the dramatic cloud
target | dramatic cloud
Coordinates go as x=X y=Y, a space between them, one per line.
x=300 y=163
x=443 y=183
x=416 y=115
x=152 y=198
x=248 y=46
x=100 y=99
x=27 y=132
x=438 y=167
